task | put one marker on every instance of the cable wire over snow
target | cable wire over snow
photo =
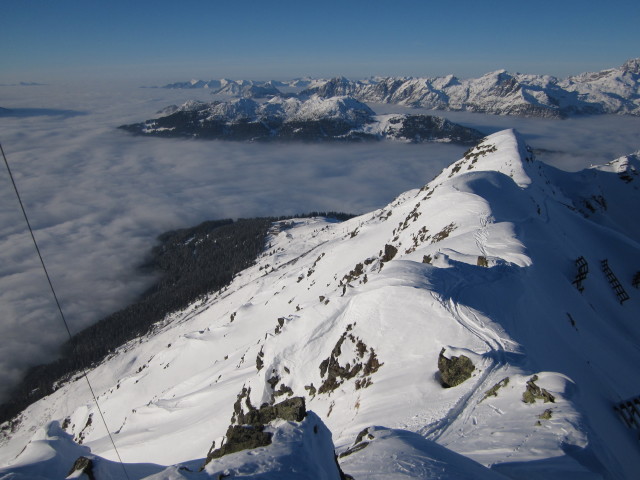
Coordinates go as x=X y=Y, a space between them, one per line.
x=55 y=296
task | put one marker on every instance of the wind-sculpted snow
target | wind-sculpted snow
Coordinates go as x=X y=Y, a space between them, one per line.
x=399 y=454
x=353 y=316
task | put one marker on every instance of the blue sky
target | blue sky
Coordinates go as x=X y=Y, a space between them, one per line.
x=47 y=41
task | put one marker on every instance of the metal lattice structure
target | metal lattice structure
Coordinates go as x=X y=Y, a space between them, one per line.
x=629 y=411
x=613 y=281
x=583 y=269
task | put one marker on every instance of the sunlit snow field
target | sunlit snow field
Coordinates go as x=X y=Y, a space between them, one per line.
x=97 y=197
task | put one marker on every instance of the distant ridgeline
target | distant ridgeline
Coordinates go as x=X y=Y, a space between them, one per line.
x=312 y=119
x=613 y=91
x=192 y=263
x=333 y=110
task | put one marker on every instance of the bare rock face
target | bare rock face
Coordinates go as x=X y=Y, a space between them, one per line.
x=242 y=437
x=389 y=252
x=250 y=434
x=291 y=410
x=454 y=370
x=362 y=441
x=533 y=392
x=82 y=465
x=335 y=374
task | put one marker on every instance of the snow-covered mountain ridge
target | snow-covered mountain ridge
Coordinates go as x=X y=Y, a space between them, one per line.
x=311 y=119
x=354 y=316
x=614 y=90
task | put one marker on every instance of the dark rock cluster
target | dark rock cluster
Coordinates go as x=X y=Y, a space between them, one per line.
x=334 y=374
x=82 y=465
x=454 y=370
x=533 y=392
x=249 y=432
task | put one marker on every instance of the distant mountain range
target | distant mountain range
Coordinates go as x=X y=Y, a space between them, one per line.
x=336 y=109
x=314 y=118
x=22 y=84
x=612 y=91
x=221 y=85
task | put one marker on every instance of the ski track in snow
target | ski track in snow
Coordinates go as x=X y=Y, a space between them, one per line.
x=482 y=234
x=492 y=360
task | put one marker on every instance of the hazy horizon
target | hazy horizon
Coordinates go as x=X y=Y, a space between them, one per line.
x=161 y=41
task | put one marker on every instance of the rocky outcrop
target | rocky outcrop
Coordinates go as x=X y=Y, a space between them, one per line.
x=300 y=447
x=241 y=437
x=334 y=374
x=291 y=410
x=362 y=441
x=389 y=253
x=533 y=392
x=493 y=391
x=454 y=370
x=250 y=432
x=82 y=466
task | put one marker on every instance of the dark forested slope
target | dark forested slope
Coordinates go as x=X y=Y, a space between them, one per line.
x=190 y=262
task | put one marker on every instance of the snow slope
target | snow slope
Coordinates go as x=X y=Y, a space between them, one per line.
x=354 y=315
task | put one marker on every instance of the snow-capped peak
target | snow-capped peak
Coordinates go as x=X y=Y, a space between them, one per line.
x=504 y=152
x=631 y=66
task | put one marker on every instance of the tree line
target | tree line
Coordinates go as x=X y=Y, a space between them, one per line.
x=191 y=263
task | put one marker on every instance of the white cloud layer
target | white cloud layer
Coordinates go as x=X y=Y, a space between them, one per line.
x=97 y=197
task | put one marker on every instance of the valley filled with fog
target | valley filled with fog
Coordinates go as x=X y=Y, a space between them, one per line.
x=98 y=197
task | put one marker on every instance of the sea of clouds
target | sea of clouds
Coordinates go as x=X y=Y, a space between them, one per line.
x=98 y=197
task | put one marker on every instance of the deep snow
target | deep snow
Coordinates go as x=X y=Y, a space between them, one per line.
x=166 y=397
